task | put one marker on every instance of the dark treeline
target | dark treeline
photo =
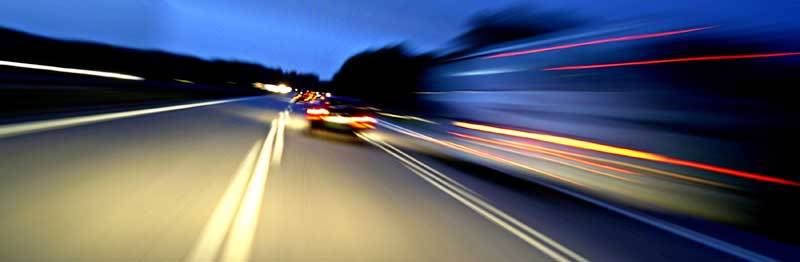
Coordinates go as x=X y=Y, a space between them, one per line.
x=509 y=24
x=388 y=76
x=152 y=65
x=391 y=76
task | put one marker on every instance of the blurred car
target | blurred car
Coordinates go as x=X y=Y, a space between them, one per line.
x=307 y=97
x=340 y=114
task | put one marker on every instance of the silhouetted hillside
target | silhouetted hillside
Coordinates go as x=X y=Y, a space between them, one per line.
x=152 y=65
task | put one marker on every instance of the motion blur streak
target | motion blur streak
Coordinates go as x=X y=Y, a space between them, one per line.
x=469 y=199
x=623 y=152
x=480 y=154
x=561 y=141
x=70 y=70
x=647 y=219
x=695 y=236
x=280 y=89
x=624 y=171
x=674 y=60
x=39 y=126
x=213 y=236
x=566 y=155
x=606 y=174
x=407 y=117
x=600 y=41
x=239 y=243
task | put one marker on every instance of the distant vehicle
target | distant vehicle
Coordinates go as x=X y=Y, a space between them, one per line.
x=340 y=114
x=307 y=97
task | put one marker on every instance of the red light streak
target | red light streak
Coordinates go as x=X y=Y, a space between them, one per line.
x=674 y=60
x=489 y=156
x=504 y=160
x=599 y=41
x=624 y=152
x=545 y=150
x=624 y=171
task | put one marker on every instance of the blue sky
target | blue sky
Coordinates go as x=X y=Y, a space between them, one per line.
x=304 y=35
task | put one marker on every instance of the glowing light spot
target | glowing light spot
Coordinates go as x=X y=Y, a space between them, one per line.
x=317 y=111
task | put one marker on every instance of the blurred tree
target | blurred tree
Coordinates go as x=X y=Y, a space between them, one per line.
x=510 y=24
x=388 y=76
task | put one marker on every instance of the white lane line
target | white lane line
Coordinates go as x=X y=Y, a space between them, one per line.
x=476 y=197
x=240 y=238
x=211 y=240
x=278 y=152
x=692 y=235
x=39 y=126
x=467 y=197
x=462 y=197
x=70 y=70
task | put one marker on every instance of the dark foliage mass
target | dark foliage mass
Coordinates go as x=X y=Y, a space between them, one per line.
x=511 y=24
x=387 y=76
x=391 y=75
x=152 y=65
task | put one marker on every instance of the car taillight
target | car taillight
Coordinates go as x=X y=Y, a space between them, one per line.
x=317 y=111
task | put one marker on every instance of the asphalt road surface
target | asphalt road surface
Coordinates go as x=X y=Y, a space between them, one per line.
x=244 y=180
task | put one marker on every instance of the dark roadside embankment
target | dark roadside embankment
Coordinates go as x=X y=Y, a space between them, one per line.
x=27 y=96
x=43 y=78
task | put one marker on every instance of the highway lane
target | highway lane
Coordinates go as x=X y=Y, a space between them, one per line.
x=336 y=199
x=243 y=181
x=135 y=188
x=144 y=188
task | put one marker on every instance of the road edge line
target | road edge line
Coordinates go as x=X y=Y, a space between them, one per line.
x=478 y=198
x=489 y=213
x=23 y=128
x=706 y=240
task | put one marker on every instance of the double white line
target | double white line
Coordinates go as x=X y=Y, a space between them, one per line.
x=472 y=200
x=232 y=226
x=692 y=235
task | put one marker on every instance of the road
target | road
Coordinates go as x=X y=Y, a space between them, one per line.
x=242 y=180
